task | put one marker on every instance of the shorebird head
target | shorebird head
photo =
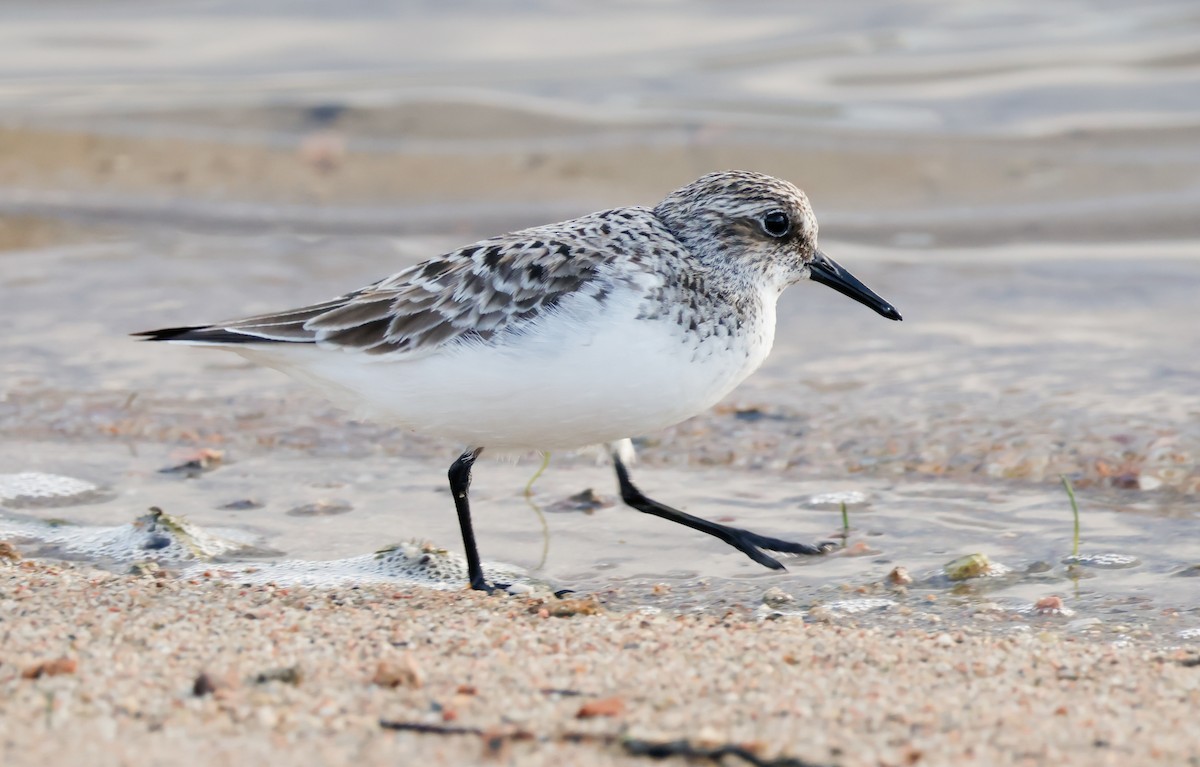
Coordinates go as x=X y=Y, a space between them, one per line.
x=751 y=224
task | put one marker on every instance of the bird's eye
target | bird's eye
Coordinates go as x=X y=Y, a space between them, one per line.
x=776 y=223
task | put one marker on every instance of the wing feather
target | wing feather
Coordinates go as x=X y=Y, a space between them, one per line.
x=491 y=287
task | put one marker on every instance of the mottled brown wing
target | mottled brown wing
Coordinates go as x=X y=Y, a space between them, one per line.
x=476 y=292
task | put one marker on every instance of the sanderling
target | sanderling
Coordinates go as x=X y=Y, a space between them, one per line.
x=584 y=332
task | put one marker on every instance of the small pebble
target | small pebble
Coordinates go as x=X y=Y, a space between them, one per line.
x=587 y=501
x=899 y=576
x=9 y=553
x=403 y=673
x=1051 y=605
x=614 y=706
x=203 y=685
x=321 y=508
x=54 y=667
x=777 y=597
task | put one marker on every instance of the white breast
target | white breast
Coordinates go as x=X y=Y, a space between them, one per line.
x=585 y=375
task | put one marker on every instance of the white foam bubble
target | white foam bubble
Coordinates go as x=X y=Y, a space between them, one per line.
x=153 y=536
x=412 y=562
x=30 y=487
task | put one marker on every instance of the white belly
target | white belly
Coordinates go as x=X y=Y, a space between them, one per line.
x=574 y=382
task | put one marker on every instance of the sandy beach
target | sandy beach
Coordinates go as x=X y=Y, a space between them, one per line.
x=120 y=669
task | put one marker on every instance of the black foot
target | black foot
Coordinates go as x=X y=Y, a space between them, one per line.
x=750 y=544
x=479 y=584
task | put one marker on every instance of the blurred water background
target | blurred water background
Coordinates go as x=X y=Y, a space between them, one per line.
x=1021 y=179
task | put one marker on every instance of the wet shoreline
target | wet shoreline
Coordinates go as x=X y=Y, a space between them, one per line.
x=957 y=426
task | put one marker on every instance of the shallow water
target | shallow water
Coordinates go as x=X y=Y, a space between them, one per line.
x=1020 y=180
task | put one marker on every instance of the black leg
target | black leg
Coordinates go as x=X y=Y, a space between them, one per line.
x=743 y=540
x=460 y=483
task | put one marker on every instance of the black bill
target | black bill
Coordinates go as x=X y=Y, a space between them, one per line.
x=826 y=271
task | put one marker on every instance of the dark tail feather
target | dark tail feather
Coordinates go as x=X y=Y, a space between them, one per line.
x=203 y=334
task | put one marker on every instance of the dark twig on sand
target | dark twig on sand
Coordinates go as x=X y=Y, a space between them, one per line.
x=666 y=749
x=650 y=749
x=430 y=729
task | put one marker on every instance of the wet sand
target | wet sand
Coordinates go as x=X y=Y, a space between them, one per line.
x=119 y=669
x=947 y=190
